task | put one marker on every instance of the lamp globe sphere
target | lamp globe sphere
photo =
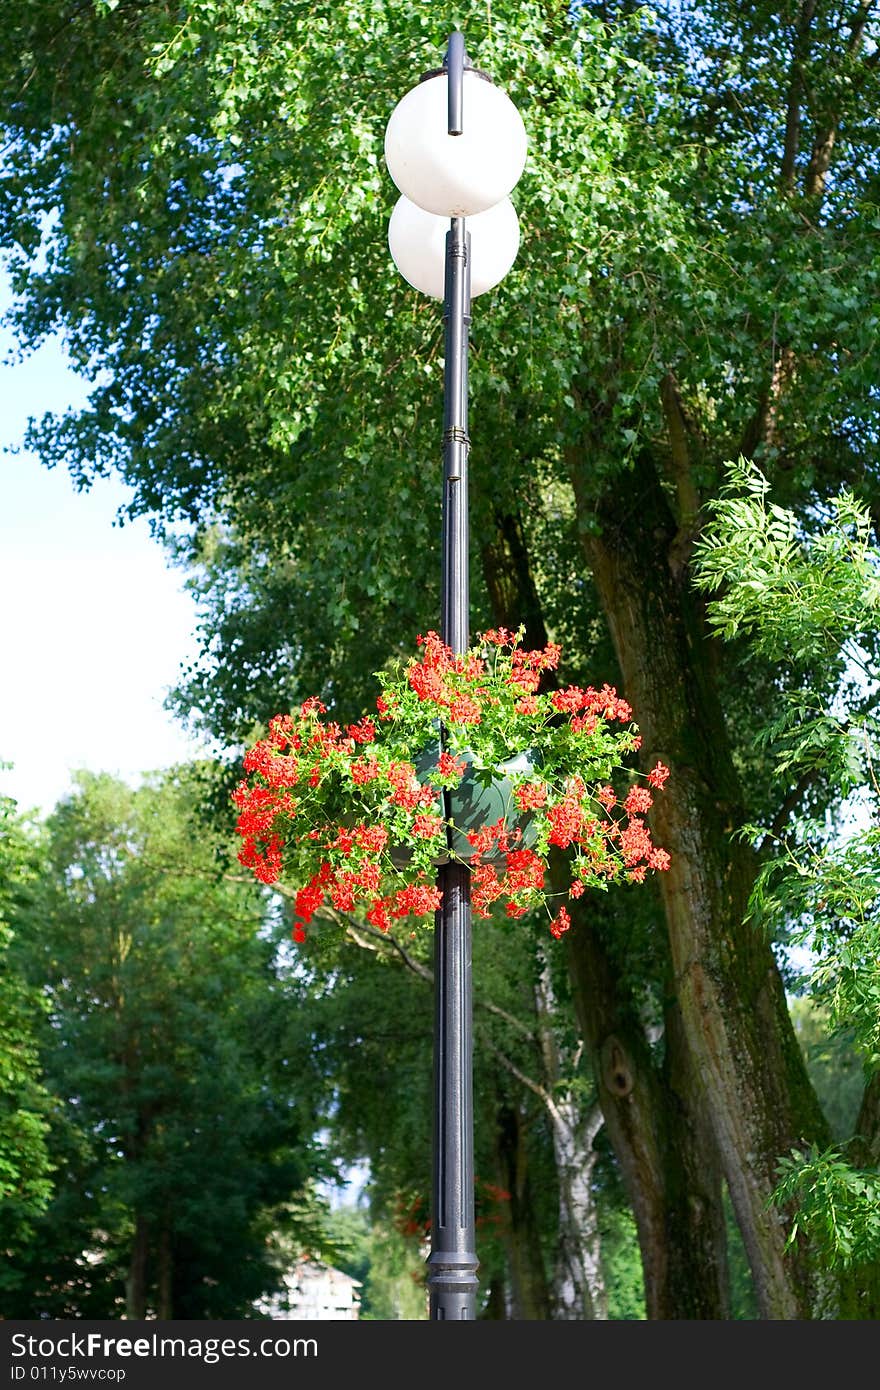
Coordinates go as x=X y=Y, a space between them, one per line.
x=455 y=175
x=417 y=241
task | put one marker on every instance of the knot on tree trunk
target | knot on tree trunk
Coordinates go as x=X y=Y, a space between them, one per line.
x=616 y=1070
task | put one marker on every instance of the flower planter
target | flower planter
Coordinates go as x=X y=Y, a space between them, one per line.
x=479 y=799
x=312 y=782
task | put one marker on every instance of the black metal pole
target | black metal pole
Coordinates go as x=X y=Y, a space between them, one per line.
x=452 y=1264
x=455 y=61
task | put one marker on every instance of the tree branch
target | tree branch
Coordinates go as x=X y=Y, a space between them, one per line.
x=358 y=932
x=687 y=497
x=780 y=820
x=823 y=144
x=795 y=93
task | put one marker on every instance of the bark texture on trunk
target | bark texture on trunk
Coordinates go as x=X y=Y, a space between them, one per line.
x=579 y=1292
x=668 y=1163
x=136 y=1280
x=529 y=1292
x=166 y=1274
x=579 y=1287
x=743 y=1054
x=669 y=1167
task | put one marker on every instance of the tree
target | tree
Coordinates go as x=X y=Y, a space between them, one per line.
x=700 y=248
x=180 y=1123
x=541 y=1200
x=25 y=1164
x=809 y=600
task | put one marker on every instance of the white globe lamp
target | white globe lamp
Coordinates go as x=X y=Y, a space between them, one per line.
x=417 y=241
x=455 y=175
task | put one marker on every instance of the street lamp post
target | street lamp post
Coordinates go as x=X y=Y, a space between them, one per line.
x=455 y=147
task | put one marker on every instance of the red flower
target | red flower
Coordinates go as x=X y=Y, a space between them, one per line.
x=416 y=900
x=638 y=799
x=527 y=680
x=486 y=888
x=658 y=775
x=314 y=788
x=525 y=870
x=310 y=898
x=405 y=785
x=378 y=914
x=464 y=709
x=530 y=796
x=312 y=706
x=635 y=841
x=659 y=859
x=450 y=766
x=566 y=819
x=529 y=704
x=429 y=685
x=583 y=723
x=427 y=827
x=364 y=732
x=571 y=699
x=364 y=770
x=489 y=837
x=560 y=924
x=372 y=838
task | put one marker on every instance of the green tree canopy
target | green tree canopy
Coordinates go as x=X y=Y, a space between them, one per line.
x=25 y=1163
x=698 y=280
x=180 y=1129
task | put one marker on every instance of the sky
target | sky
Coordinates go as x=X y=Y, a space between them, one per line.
x=94 y=625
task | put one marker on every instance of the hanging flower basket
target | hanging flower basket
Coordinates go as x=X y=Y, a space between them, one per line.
x=464 y=760
x=484 y=796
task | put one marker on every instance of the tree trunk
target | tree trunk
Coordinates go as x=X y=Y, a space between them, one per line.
x=745 y=1061
x=670 y=1168
x=136 y=1281
x=579 y=1292
x=166 y=1274
x=529 y=1294
x=668 y=1165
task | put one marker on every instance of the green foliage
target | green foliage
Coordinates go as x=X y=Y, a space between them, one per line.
x=809 y=600
x=799 y=596
x=622 y=1266
x=838 y=1206
x=25 y=1163
x=205 y=183
x=390 y=1269
x=177 y=1132
x=204 y=160
x=835 y=1067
